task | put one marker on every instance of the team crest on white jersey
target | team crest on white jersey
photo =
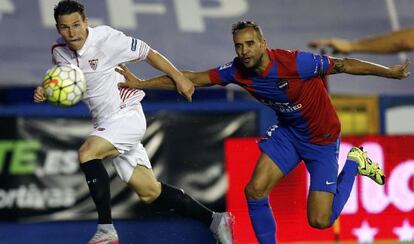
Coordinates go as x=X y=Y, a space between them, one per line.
x=93 y=63
x=225 y=66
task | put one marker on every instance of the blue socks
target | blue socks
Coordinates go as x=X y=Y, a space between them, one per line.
x=345 y=181
x=261 y=215
x=262 y=219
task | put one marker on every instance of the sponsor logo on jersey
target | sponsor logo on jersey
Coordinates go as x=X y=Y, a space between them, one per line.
x=282 y=107
x=93 y=63
x=225 y=66
x=282 y=84
x=271 y=130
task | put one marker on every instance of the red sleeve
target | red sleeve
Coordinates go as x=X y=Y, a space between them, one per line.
x=214 y=77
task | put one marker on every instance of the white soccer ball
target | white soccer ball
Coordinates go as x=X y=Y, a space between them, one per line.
x=64 y=85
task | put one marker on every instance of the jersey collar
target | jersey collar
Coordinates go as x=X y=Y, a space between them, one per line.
x=87 y=43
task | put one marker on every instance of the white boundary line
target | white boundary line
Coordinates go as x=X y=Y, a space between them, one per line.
x=395 y=23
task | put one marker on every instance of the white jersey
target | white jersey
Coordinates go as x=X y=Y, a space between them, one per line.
x=104 y=49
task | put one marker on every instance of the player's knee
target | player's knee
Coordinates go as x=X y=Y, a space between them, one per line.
x=149 y=194
x=320 y=222
x=252 y=191
x=147 y=199
x=86 y=153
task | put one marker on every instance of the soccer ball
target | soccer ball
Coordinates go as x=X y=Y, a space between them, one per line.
x=64 y=85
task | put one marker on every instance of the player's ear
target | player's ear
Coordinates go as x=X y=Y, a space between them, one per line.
x=264 y=43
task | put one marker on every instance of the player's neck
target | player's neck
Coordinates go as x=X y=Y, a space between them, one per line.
x=262 y=65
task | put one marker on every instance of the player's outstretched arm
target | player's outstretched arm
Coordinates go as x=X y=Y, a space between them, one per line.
x=200 y=79
x=337 y=45
x=391 y=42
x=361 y=67
x=132 y=81
x=39 y=95
x=184 y=86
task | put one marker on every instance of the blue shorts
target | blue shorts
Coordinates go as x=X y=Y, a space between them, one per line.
x=287 y=150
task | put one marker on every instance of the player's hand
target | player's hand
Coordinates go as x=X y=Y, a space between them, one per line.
x=39 y=95
x=401 y=71
x=131 y=80
x=185 y=87
x=338 y=45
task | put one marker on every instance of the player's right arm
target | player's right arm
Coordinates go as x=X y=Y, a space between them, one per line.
x=132 y=81
x=39 y=92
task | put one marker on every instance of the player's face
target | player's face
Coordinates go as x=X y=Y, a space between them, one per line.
x=74 y=30
x=250 y=48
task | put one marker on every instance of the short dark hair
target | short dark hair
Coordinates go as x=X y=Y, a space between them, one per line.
x=247 y=24
x=68 y=7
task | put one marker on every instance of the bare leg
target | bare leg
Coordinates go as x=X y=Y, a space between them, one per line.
x=265 y=176
x=91 y=153
x=144 y=184
x=325 y=207
x=320 y=209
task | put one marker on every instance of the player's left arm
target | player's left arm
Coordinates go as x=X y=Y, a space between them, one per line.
x=199 y=79
x=361 y=67
x=184 y=86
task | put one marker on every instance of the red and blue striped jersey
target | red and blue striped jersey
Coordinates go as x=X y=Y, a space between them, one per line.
x=292 y=85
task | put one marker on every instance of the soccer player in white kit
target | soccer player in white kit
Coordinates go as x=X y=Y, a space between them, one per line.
x=119 y=120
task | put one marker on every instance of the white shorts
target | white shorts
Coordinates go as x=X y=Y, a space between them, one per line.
x=125 y=130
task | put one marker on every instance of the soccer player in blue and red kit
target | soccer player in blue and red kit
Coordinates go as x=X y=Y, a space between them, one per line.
x=290 y=82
